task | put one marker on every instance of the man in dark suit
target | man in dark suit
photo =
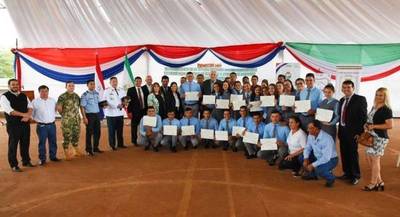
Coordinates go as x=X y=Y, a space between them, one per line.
x=147 y=87
x=209 y=83
x=165 y=89
x=137 y=107
x=353 y=116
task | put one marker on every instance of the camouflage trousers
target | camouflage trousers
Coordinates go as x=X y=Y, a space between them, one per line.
x=71 y=129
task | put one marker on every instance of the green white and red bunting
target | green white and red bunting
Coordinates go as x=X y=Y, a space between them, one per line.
x=377 y=60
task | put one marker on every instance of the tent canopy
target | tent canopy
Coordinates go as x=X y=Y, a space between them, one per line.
x=100 y=23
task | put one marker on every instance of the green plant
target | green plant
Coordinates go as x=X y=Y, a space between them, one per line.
x=6 y=64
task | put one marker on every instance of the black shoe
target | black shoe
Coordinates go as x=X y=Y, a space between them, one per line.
x=186 y=148
x=214 y=146
x=234 y=149
x=28 y=164
x=206 y=146
x=371 y=187
x=251 y=156
x=147 y=147
x=271 y=163
x=42 y=163
x=355 y=181
x=114 y=148
x=90 y=153
x=55 y=159
x=173 y=149
x=296 y=174
x=16 y=169
x=344 y=177
x=309 y=177
x=155 y=149
x=225 y=148
x=122 y=146
x=329 y=183
x=98 y=151
x=381 y=186
x=195 y=147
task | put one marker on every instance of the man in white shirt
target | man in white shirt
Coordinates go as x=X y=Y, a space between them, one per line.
x=44 y=114
x=18 y=112
x=114 y=113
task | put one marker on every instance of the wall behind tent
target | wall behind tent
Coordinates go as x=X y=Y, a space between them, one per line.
x=32 y=79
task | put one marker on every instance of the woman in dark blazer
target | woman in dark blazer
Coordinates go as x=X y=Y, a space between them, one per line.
x=174 y=100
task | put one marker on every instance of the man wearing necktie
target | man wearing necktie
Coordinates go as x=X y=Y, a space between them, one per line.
x=315 y=96
x=243 y=121
x=171 y=140
x=227 y=124
x=191 y=86
x=256 y=126
x=114 y=113
x=136 y=108
x=208 y=123
x=275 y=130
x=189 y=120
x=353 y=116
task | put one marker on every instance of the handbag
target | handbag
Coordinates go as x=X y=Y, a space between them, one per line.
x=365 y=139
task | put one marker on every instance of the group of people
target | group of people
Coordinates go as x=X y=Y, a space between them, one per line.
x=304 y=144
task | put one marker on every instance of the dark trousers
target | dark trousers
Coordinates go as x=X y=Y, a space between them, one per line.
x=92 y=132
x=47 y=132
x=115 y=128
x=134 y=126
x=349 y=154
x=295 y=164
x=18 y=134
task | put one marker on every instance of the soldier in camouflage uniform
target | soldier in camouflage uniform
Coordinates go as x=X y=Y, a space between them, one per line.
x=68 y=105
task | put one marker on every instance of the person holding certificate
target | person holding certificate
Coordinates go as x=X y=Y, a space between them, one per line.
x=244 y=121
x=323 y=148
x=296 y=141
x=287 y=90
x=256 y=126
x=330 y=103
x=299 y=87
x=246 y=92
x=150 y=130
x=189 y=122
x=216 y=113
x=208 y=123
x=188 y=89
x=280 y=132
x=313 y=94
x=170 y=138
x=227 y=124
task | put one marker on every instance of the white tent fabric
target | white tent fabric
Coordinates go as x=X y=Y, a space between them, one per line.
x=95 y=23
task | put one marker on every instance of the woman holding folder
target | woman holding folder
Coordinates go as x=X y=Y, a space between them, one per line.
x=330 y=103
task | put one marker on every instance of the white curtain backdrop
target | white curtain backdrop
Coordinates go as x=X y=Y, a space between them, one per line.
x=94 y=23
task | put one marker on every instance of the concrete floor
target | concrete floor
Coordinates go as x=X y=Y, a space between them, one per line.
x=132 y=182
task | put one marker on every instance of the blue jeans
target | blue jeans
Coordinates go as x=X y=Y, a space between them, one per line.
x=325 y=170
x=47 y=132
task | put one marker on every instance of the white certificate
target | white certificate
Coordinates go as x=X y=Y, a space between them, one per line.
x=149 y=121
x=235 y=97
x=286 y=100
x=238 y=104
x=188 y=130
x=267 y=101
x=221 y=135
x=302 y=106
x=222 y=104
x=324 y=115
x=268 y=144
x=192 y=96
x=255 y=106
x=208 y=99
x=170 y=130
x=206 y=134
x=251 y=138
x=237 y=130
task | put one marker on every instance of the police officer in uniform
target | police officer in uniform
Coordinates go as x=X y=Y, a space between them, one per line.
x=90 y=113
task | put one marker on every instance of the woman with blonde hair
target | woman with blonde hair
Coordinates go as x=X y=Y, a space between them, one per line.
x=380 y=119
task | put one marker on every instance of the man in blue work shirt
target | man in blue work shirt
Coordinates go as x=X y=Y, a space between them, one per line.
x=227 y=124
x=148 y=135
x=275 y=129
x=256 y=126
x=90 y=114
x=315 y=96
x=210 y=123
x=243 y=121
x=191 y=86
x=323 y=147
x=189 y=120
x=167 y=139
